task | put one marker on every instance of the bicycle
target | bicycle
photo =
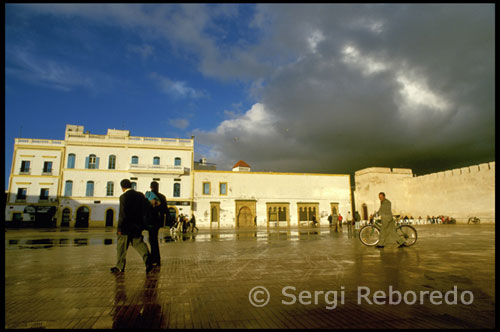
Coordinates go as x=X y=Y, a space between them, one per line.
x=369 y=235
x=474 y=220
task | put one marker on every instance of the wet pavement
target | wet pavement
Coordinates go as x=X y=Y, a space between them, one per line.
x=313 y=278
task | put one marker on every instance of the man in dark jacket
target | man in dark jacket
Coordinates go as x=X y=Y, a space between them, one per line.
x=157 y=216
x=130 y=226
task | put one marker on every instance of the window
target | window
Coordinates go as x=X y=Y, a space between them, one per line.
x=177 y=161
x=44 y=194
x=47 y=167
x=279 y=213
x=156 y=161
x=21 y=194
x=68 y=188
x=25 y=166
x=135 y=160
x=134 y=185
x=306 y=211
x=223 y=188
x=177 y=190
x=206 y=188
x=92 y=162
x=71 y=160
x=110 y=187
x=90 y=189
x=112 y=162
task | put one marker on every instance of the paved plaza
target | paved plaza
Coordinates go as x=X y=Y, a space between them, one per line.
x=61 y=279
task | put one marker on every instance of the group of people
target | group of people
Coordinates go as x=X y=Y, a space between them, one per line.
x=441 y=220
x=336 y=221
x=139 y=212
x=183 y=224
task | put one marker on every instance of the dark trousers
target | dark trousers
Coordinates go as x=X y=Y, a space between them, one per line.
x=153 y=243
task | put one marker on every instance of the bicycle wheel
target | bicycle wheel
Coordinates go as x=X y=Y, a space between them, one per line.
x=409 y=233
x=369 y=235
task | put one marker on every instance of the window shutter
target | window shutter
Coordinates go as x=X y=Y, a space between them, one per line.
x=97 y=162
x=87 y=162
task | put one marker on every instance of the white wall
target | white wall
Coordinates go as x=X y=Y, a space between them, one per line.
x=459 y=193
x=269 y=188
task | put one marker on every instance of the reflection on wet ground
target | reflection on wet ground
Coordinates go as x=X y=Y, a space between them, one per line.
x=25 y=242
x=61 y=279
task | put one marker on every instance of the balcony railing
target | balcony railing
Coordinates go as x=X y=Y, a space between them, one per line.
x=39 y=141
x=130 y=140
x=150 y=168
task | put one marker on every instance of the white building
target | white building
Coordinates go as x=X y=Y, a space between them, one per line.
x=78 y=179
x=34 y=179
x=83 y=181
x=241 y=198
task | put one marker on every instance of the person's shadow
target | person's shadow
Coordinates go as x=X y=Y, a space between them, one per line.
x=145 y=312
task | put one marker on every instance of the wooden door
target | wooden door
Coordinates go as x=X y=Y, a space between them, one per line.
x=245 y=217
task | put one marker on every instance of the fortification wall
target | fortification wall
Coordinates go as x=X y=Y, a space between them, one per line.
x=371 y=181
x=459 y=193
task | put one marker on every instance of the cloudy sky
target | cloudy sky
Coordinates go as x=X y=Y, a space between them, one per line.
x=302 y=88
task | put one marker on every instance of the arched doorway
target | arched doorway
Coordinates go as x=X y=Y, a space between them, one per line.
x=172 y=216
x=82 y=217
x=109 y=217
x=66 y=217
x=365 y=212
x=245 y=218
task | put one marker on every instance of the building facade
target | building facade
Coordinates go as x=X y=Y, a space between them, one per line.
x=83 y=183
x=75 y=182
x=241 y=198
x=459 y=193
x=34 y=182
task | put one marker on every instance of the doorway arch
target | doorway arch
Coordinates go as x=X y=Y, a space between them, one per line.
x=66 y=217
x=172 y=211
x=245 y=217
x=110 y=217
x=365 y=211
x=82 y=217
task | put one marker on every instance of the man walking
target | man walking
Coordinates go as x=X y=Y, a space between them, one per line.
x=157 y=216
x=130 y=226
x=193 y=222
x=388 y=232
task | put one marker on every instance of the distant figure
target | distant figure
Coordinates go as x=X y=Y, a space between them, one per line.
x=340 y=220
x=388 y=229
x=193 y=222
x=184 y=224
x=357 y=220
x=330 y=219
x=314 y=221
x=335 y=222
x=349 y=221
x=130 y=226
x=371 y=219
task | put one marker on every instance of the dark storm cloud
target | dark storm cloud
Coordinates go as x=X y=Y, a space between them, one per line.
x=326 y=114
x=337 y=87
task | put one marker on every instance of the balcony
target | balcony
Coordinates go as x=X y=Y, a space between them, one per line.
x=150 y=168
x=130 y=140
x=39 y=141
